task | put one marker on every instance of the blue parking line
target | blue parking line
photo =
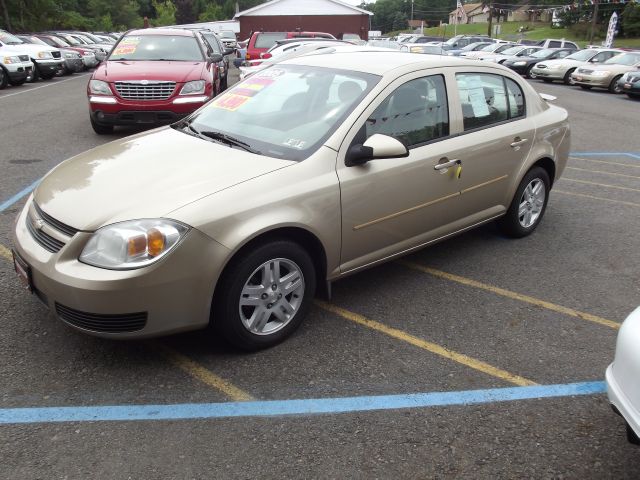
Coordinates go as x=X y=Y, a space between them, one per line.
x=605 y=154
x=22 y=193
x=190 y=411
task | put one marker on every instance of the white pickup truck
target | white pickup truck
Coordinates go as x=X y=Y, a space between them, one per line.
x=47 y=61
x=15 y=67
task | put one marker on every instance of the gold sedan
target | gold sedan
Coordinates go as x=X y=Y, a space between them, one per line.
x=307 y=171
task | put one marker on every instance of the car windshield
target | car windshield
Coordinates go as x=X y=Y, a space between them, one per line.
x=471 y=47
x=177 y=48
x=491 y=48
x=227 y=34
x=545 y=52
x=283 y=111
x=213 y=42
x=71 y=40
x=9 y=39
x=582 y=55
x=511 y=51
x=625 y=59
x=453 y=40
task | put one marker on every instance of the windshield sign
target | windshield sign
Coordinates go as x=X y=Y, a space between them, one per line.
x=284 y=111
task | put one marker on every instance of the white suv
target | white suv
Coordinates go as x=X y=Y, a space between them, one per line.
x=15 y=67
x=47 y=61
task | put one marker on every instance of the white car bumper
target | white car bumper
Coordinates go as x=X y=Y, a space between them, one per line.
x=623 y=387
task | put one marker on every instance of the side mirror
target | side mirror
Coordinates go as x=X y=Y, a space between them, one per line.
x=376 y=147
x=215 y=58
x=229 y=51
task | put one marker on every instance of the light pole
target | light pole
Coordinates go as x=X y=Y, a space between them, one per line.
x=411 y=9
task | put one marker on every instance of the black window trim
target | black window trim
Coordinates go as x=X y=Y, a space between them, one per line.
x=502 y=122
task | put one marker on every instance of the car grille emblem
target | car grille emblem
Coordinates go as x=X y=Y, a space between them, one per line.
x=38 y=223
x=144 y=82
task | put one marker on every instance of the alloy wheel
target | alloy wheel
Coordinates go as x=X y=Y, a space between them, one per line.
x=531 y=203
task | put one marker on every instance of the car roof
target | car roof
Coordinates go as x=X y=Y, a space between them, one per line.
x=176 y=32
x=377 y=61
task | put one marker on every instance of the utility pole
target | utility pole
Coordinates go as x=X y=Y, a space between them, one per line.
x=593 y=21
x=411 y=9
x=490 y=17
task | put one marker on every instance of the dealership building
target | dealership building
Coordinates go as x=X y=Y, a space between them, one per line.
x=330 y=16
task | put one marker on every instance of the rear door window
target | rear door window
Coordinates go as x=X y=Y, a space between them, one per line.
x=268 y=40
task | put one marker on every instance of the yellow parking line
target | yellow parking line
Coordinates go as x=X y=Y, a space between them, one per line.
x=5 y=252
x=600 y=184
x=597 y=198
x=513 y=295
x=606 y=163
x=199 y=372
x=425 y=345
x=603 y=172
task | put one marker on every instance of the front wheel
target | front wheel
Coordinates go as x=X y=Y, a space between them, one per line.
x=528 y=205
x=614 y=87
x=567 y=77
x=4 y=78
x=263 y=296
x=530 y=74
x=101 y=129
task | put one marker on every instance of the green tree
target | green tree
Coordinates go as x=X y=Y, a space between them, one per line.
x=165 y=13
x=212 y=13
x=631 y=20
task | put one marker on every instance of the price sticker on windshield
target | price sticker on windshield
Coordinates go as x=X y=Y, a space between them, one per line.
x=127 y=46
x=230 y=102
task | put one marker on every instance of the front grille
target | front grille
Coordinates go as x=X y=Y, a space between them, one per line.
x=24 y=58
x=100 y=322
x=45 y=240
x=61 y=227
x=55 y=54
x=152 y=90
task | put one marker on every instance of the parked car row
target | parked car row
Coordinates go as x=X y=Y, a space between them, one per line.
x=33 y=56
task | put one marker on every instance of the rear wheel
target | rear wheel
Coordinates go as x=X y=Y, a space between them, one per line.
x=528 y=205
x=264 y=295
x=614 y=87
x=101 y=129
x=4 y=78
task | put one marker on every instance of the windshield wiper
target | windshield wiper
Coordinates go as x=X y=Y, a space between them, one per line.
x=224 y=138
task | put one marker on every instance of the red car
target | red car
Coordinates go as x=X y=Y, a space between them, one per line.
x=260 y=42
x=152 y=77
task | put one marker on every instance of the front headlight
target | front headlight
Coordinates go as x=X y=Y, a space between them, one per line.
x=99 y=87
x=71 y=55
x=519 y=64
x=45 y=55
x=132 y=244
x=601 y=73
x=10 y=60
x=193 y=88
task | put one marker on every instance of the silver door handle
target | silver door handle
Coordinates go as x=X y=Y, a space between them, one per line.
x=449 y=164
x=517 y=143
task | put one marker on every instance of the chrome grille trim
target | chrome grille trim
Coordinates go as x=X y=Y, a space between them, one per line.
x=145 y=89
x=56 y=54
x=61 y=227
x=23 y=58
x=45 y=240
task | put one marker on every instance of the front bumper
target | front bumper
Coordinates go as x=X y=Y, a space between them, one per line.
x=549 y=73
x=90 y=61
x=630 y=88
x=521 y=69
x=112 y=110
x=169 y=296
x=591 y=80
x=74 y=65
x=49 y=66
x=18 y=71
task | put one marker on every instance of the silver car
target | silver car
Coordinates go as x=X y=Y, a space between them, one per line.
x=308 y=171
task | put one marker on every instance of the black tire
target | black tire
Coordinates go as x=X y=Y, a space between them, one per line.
x=17 y=83
x=631 y=436
x=224 y=84
x=614 y=87
x=586 y=87
x=567 y=77
x=547 y=80
x=4 y=78
x=101 y=129
x=510 y=223
x=529 y=74
x=35 y=73
x=226 y=310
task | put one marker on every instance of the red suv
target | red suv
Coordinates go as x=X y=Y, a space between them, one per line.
x=260 y=42
x=152 y=77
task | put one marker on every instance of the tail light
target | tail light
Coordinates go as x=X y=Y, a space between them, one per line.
x=247 y=56
x=265 y=55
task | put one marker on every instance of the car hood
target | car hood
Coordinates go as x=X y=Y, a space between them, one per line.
x=117 y=70
x=564 y=61
x=31 y=48
x=144 y=176
x=612 y=67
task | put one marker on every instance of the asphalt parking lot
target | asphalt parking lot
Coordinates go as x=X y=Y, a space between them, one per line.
x=480 y=357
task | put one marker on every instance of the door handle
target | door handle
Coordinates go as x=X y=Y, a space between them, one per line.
x=518 y=141
x=445 y=165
